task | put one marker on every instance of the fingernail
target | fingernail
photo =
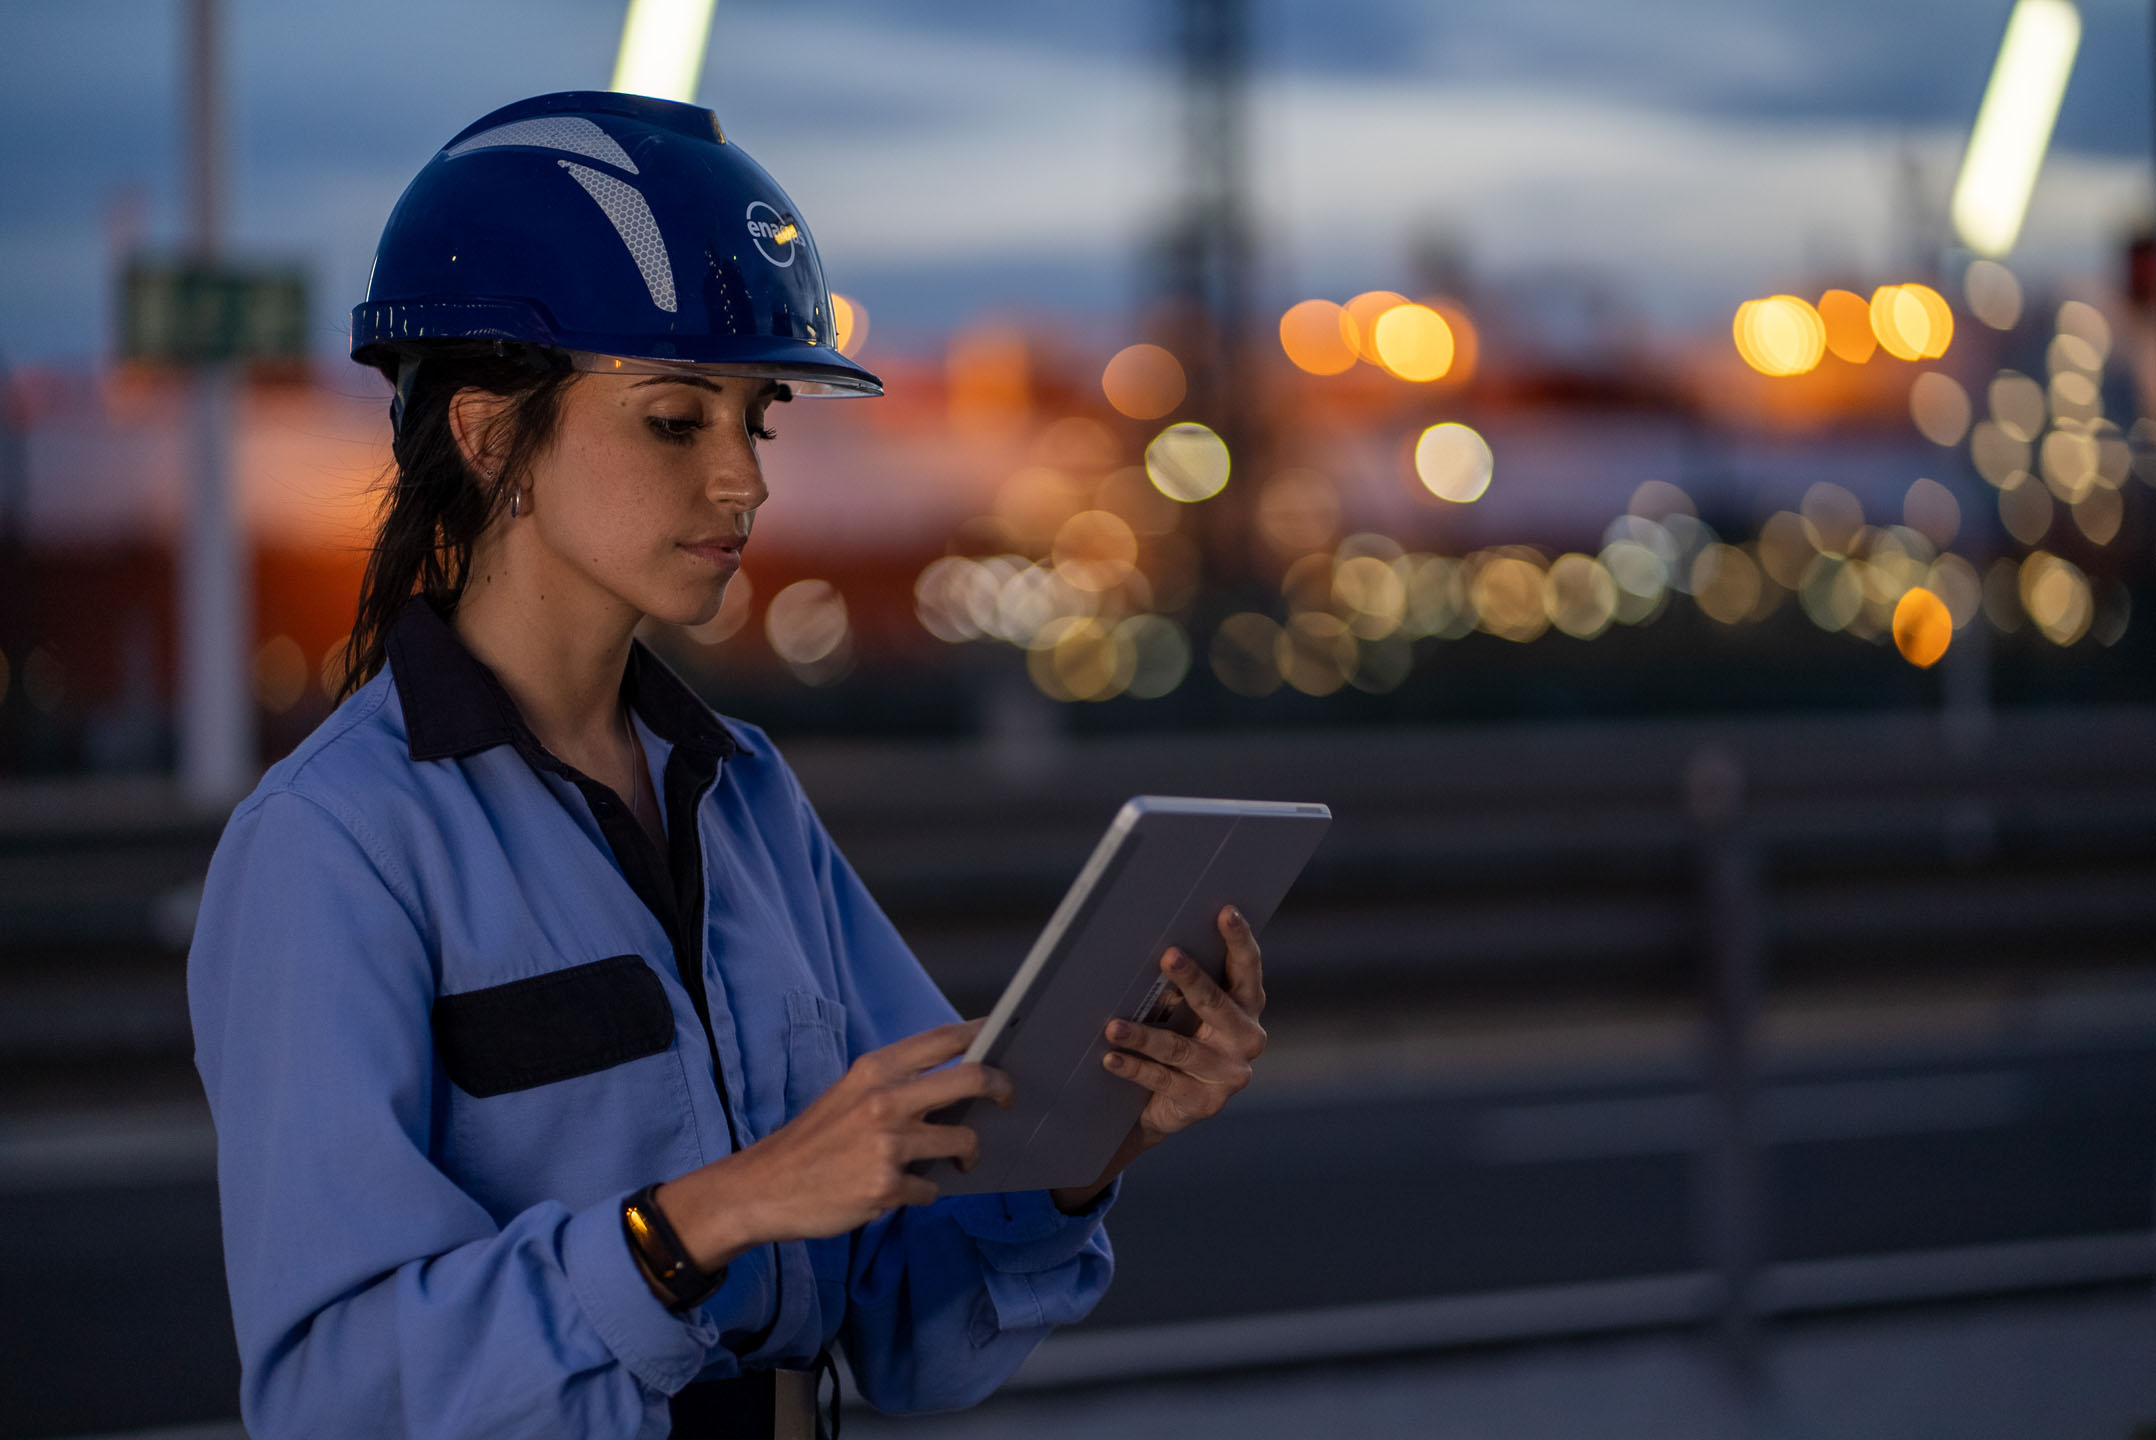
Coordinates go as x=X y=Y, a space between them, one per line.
x=1118 y=1030
x=1114 y=1062
x=1235 y=918
x=1180 y=962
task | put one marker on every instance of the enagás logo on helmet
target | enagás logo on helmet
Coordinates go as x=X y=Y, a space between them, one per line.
x=775 y=234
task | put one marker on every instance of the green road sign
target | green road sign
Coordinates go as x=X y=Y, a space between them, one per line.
x=183 y=312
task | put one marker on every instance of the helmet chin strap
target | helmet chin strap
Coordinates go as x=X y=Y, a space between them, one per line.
x=407 y=373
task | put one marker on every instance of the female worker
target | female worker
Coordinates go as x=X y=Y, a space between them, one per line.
x=566 y=1078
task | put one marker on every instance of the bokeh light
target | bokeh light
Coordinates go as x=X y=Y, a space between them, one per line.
x=1831 y=592
x=1832 y=518
x=1454 y=463
x=1437 y=599
x=1579 y=596
x=1144 y=382
x=1506 y=587
x=1314 y=340
x=281 y=674
x=1095 y=550
x=1931 y=510
x=1413 y=342
x=2099 y=515
x=1079 y=658
x=808 y=628
x=1187 y=462
x=2087 y=324
x=1315 y=653
x=2055 y=594
x=1245 y=654
x=2025 y=508
x=1726 y=583
x=1781 y=335
x=1923 y=627
x=1373 y=595
x=2017 y=405
x=1848 y=320
x=1160 y=654
x=1994 y=295
x=1997 y=454
x=1912 y=322
x=1940 y=407
x=849 y=324
x=1358 y=321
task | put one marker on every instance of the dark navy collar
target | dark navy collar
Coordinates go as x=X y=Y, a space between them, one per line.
x=454 y=705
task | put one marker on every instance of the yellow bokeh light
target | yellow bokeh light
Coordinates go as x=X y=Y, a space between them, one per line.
x=1187 y=462
x=1923 y=627
x=1849 y=326
x=1414 y=342
x=1725 y=583
x=1454 y=463
x=807 y=627
x=1370 y=589
x=1160 y=653
x=1315 y=653
x=1781 y=335
x=1313 y=338
x=280 y=674
x=1144 y=382
x=1578 y=596
x=1507 y=591
x=1939 y=407
x=849 y=324
x=1913 y=322
x=1359 y=317
x=2056 y=595
x=1095 y=550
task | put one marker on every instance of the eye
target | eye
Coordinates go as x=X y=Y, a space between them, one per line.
x=674 y=429
x=758 y=430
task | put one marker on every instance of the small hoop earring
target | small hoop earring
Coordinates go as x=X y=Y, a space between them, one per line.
x=516 y=503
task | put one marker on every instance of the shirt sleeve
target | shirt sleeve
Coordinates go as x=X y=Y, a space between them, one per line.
x=370 y=1294
x=945 y=1301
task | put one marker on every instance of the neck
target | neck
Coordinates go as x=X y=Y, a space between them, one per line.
x=557 y=645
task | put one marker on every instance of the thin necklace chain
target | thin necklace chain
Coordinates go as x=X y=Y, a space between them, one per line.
x=639 y=782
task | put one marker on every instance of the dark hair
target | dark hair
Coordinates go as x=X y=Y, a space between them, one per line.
x=434 y=506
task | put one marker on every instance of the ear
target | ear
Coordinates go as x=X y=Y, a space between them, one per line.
x=475 y=418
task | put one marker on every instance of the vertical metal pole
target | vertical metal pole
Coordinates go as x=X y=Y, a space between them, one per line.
x=1731 y=897
x=217 y=741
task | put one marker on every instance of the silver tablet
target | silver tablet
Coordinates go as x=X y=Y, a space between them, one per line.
x=1159 y=877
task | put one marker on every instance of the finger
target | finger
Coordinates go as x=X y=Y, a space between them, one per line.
x=916 y=1053
x=1246 y=974
x=961 y=1082
x=1178 y=1052
x=913 y=1190
x=943 y=1142
x=1212 y=1004
x=1193 y=1100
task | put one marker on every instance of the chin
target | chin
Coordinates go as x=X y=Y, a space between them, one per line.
x=688 y=607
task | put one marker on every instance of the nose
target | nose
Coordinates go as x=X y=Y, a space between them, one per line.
x=737 y=481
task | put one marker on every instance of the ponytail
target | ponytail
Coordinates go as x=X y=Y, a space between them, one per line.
x=434 y=507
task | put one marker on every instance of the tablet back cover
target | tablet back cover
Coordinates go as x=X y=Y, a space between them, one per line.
x=1171 y=865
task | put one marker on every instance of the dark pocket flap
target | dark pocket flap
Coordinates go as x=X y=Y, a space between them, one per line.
x=552 y=1027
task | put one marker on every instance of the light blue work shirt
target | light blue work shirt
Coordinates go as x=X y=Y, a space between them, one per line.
x=427 y=1003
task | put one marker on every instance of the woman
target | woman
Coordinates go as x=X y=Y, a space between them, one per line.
x=566 y=1078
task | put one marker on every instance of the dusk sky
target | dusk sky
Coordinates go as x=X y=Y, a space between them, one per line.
x=960 y=157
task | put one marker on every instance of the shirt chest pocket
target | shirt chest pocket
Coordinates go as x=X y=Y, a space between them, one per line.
x=815 y=1047
x=550 y=1027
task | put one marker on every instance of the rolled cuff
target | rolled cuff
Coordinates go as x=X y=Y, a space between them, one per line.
x=1022 y=1231
x=659 y=1347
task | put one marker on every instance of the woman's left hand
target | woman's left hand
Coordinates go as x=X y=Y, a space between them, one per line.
x=1193 y=1076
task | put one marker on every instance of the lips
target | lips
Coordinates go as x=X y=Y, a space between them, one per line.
x=724 y=552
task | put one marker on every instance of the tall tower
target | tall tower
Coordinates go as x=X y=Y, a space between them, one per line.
x=1204 y=269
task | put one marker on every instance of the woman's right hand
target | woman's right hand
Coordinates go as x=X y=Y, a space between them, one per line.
x=843 y=1161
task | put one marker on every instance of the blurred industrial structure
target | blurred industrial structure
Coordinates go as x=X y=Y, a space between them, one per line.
x=1743 y=744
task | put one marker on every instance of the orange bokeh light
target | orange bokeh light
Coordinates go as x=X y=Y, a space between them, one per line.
x=1781 y=335
x=1358 y=321
x=1144 y=382
x=1923 y=627
x=1413 y=342
x=1849 y=326
x=1314 y=339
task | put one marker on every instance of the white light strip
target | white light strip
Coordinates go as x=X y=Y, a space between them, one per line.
x=662 y=48
x=2013 y=125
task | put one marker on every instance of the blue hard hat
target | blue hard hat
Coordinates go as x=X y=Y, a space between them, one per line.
x=616 y=228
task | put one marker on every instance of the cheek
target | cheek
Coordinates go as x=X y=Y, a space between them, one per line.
x=615 y=511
